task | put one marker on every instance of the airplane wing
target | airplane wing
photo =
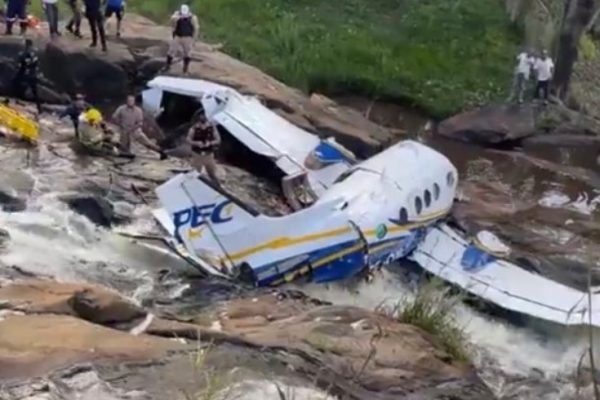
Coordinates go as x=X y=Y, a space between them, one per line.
x=443 y=251
x=263 y=131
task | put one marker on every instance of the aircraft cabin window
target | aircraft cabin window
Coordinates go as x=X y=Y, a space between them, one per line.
x=427 y=197
x=450 y=179
x=418 y=205
x=436 y=191
x=403 y=217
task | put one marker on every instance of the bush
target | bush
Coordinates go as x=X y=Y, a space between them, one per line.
x=437 y=55
x=432 y=309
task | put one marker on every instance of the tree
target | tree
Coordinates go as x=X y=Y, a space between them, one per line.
x=577 y=17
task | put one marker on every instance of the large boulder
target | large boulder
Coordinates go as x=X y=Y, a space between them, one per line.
x=491 y=125
x=33 y=345
x=360 y=352
x=91 y=303
x=97 y=209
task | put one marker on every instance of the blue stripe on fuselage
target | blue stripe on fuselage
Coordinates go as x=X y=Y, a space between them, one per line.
x=350 y=262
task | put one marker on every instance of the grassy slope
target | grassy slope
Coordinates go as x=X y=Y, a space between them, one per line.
x=439 y=55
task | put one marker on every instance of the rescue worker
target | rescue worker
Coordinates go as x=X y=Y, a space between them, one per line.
x=204 y=139
x=185 y=31
x=16 y=9
x=116 y=7
x=93 y=13
x=27 y=74
x=74 y=24
x=94 y=134
x=130 y=118
x=73 y=111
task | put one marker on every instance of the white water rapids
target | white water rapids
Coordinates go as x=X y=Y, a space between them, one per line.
x=524 y=363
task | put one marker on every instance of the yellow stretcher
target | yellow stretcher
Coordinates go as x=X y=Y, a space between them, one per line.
x=19 y=124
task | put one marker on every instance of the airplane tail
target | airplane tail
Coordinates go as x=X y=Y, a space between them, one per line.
x=201 y=215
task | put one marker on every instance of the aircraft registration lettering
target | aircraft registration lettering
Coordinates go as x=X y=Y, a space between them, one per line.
x=196 y=217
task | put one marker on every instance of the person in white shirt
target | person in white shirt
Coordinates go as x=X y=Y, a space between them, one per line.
x=544 y=68
x=524 y=64
x=51 y=11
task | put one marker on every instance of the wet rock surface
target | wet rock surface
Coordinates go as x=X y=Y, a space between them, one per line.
x=352 y=352
x=491 y=125
x=509 y=125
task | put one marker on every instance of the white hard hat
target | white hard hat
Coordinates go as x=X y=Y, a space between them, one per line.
x=184 y=10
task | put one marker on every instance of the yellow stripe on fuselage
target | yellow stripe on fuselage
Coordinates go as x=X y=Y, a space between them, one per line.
x=286 y=241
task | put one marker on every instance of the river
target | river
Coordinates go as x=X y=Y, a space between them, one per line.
x=524 y=361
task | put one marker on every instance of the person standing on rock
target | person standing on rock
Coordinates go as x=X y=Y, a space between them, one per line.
x=544 y=68
x=16 y=9
x=116 y=7
x=27 y=74
x=130 y=119
x=525 y=63
x=95 y=17
x=204 y=139
x=51 y=11
x=185 y=31
x=74 y=24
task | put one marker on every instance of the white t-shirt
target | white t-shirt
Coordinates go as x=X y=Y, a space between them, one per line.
x=525 y=64
x=544 y=69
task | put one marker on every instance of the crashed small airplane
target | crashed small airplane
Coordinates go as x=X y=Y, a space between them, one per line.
x=357 y=215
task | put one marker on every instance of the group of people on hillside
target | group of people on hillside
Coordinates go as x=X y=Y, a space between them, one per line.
x=183 y=22
x=542 y=67
x=95 y=11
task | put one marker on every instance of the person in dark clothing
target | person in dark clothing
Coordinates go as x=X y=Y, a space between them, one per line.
x=204 y=138
x=74 y=24
x=27 y=73
x=185 y=31
x=73 y=111
x=95 y=17
x=16 y=9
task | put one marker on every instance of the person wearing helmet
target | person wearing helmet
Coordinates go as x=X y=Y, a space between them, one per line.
x=89 y=127
x=130 y=120
x=95 y=135
x=185 y=32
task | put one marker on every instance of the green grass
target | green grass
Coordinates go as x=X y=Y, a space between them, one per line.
x=437 y=55
x=432 y=310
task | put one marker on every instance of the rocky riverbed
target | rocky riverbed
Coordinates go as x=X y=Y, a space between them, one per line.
x=88 y=313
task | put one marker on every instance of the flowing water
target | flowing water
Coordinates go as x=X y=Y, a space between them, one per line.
x=531 y=361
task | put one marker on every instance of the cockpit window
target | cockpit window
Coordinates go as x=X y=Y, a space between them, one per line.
x=403 y=217
x=427 y=197
x=436 y=191
x=418 y=205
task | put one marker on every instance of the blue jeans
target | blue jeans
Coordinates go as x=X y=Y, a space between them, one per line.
x=51 y=11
